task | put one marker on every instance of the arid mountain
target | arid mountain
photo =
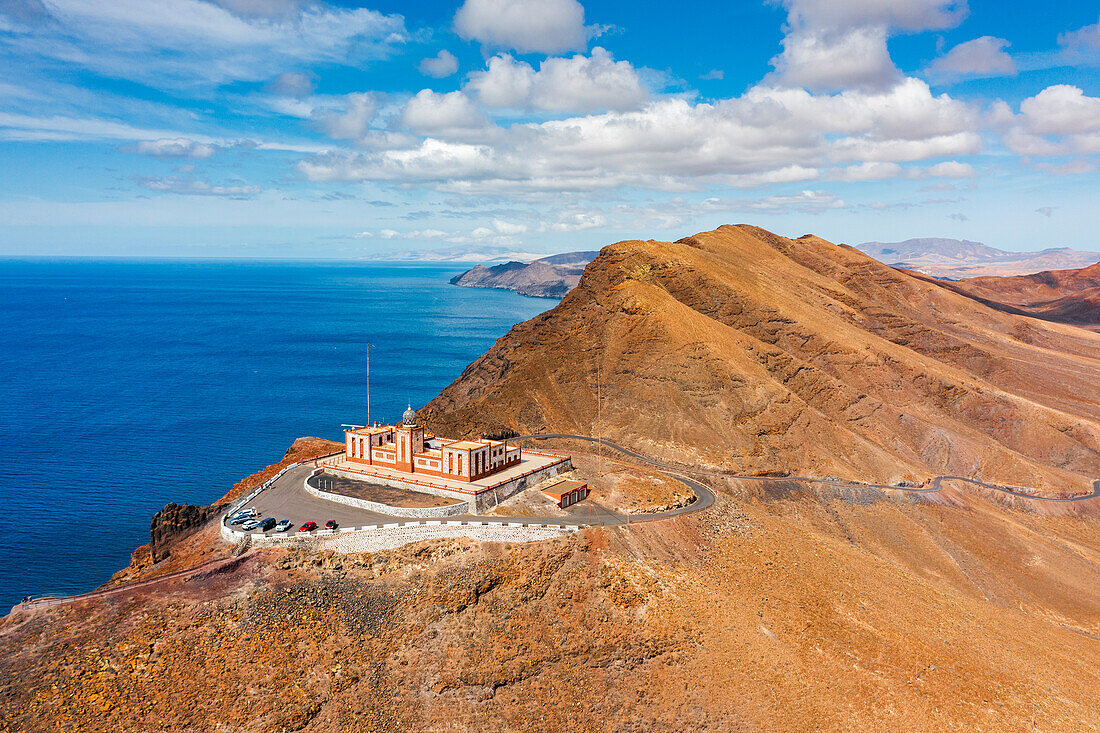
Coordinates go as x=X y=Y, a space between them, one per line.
x=549 y=277
x=1067 y=296
x=742 y=349
x=956 y=259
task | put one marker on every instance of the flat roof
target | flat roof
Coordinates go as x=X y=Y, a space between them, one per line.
x=368 y=430
x=559 y=489
x=466 y=444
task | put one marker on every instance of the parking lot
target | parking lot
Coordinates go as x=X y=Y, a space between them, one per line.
x=286 y=499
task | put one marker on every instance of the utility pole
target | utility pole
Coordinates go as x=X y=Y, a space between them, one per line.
x=599 y=416
x=369 y=424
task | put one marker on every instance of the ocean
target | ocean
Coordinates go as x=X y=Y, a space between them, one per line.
x=126 y=385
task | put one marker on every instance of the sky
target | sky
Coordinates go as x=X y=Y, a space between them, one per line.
x=310 y=129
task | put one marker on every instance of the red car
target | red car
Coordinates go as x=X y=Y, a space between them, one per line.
x=330 y=524
x=308 y=527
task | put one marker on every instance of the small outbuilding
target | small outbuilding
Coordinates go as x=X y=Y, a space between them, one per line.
x=566 y=492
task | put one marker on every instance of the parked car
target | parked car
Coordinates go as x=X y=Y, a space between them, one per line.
x=331 y=524
x=243 y=515
x=308 y=527
x=267 y=523
x=284 y=525
x=250 y=525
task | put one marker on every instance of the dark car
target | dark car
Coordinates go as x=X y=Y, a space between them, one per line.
x=308 y=527
x=266 y=524
x=331 y=524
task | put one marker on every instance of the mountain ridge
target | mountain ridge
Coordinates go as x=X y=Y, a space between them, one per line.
x=744 y=349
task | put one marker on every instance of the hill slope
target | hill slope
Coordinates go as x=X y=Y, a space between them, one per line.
x=549 y=277
x=1067 y=296
x=742 y=349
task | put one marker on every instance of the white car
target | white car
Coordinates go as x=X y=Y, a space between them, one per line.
x=250 y=525
x=284 y=525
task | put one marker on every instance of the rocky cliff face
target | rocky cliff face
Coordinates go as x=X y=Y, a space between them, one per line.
x=176 y=521
x=549 y=277
x=743 y=349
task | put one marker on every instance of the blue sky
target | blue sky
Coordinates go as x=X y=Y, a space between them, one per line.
x=291 y=128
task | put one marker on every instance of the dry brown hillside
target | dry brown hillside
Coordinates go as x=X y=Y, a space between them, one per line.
x=742 y=349
x=1066 y=296
x=786 y=609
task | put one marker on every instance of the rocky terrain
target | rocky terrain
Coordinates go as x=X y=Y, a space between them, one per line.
x=549 y=277
x=789 y=607
x=1066 y=296
x=956 y=259
x=745 y=350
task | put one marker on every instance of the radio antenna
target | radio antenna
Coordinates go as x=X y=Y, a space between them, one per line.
x=369 y=423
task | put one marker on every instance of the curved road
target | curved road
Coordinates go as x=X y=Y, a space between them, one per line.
x=1012 y=490
x=286 y=496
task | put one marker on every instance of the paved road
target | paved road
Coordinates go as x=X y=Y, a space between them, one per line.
x=287 y=499
x=935 y=485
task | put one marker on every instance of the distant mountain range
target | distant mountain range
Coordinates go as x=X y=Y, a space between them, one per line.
x=548 y=277
x=959 y=258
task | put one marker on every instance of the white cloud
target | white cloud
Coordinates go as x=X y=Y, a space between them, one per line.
x=195 y=187
x=831 y=59
x=1061 y=110
x=713 y=74
x=439 y=66
x=1082 y=38
x=950 y=169
x=577 y=84
x=831 y=45
x=292 y=84
x=353 y=122
x=184 y=43
x=1072 y=168
x=867 y=172
x=981 y=57
x=451 y=115
x=767 y=135
x=174 y=148
x=906 y=15
x=1060 y=120
x=527 y=26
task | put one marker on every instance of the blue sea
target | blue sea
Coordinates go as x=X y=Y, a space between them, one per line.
x=125 y=385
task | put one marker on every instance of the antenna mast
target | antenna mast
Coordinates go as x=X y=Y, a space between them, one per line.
x=369 y=423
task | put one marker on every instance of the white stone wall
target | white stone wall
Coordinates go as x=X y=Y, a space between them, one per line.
x=390 y=536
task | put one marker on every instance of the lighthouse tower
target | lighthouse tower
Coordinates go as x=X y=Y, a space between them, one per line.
x=409 y=439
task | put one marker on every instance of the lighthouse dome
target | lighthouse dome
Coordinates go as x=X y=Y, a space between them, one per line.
x=409 y=416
